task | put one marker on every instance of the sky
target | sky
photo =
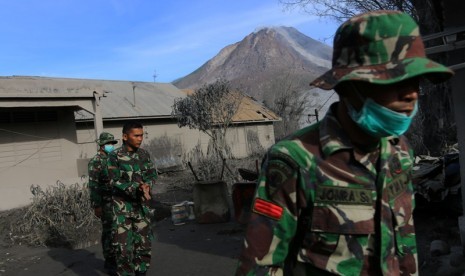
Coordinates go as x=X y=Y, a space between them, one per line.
x=134 y=40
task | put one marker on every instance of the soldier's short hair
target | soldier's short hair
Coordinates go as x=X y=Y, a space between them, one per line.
x=131 y=125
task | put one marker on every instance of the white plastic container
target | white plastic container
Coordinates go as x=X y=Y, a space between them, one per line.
x=179 y=213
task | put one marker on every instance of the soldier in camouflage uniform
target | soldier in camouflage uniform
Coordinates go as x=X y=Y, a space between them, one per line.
x=100 y=194
x=336 y=198
x=133 y=175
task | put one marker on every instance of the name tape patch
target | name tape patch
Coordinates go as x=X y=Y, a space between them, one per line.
x=342 y=195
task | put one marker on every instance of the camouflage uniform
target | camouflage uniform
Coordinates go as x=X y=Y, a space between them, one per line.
x=100 y=196
x=317 y=170
x=321 y=206
x=133 y=233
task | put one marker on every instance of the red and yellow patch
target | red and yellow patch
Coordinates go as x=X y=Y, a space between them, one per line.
x=266 y=208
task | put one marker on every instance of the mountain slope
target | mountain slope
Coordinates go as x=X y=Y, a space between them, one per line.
x=255 y=63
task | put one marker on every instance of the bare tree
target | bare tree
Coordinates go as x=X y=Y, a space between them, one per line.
x=288 y=101
x=210 y=109
x=428 y=13
x=341 y=10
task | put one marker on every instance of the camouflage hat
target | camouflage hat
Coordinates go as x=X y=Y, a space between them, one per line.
x=381 y=47
x=106 y=138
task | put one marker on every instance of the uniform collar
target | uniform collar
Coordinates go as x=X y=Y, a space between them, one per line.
x=124 y=149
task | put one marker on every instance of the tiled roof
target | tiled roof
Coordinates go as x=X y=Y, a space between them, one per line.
x=250 y=110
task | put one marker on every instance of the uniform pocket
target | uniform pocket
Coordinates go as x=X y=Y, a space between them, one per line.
x=343 y=219
x=338 y=232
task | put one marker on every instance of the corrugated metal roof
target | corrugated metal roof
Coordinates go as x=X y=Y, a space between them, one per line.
x=126 y=99
x=122 y=99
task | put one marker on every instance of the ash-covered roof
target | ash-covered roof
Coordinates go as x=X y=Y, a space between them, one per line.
x=130 y=99
x=120 y=99
x=39 y=87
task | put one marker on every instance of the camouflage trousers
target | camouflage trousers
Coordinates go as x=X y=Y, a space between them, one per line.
x=133 y=236
x=107 y=238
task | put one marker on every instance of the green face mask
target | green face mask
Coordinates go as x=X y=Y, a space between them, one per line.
x=379 y=121
x=108 y=148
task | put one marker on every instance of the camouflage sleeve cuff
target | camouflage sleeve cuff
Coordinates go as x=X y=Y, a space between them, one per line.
x=151 y=183
x=151 y=180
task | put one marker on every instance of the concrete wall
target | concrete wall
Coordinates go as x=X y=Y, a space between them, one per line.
x=44 y=152
x=39 y=153
x=237 y=136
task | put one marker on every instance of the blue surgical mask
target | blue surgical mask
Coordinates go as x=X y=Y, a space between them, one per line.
x=108 y=148
x=380 y=121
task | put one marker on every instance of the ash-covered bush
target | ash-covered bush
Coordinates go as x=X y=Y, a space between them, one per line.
x=59 y=216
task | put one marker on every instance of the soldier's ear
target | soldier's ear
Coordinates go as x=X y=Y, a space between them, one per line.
x=125 y=137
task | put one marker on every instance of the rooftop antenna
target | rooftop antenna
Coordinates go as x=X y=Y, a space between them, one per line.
x=154 y=75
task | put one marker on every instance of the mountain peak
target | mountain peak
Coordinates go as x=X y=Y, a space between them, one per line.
x=262 y=56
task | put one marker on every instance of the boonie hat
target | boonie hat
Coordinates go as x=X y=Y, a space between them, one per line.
x=106 y=138
x=380 y=47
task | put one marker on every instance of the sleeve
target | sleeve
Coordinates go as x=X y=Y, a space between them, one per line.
x=122 y=178
x=94 y=167
x=273 y=222
x=149 y=175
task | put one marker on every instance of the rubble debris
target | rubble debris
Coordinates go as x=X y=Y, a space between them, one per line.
x=437 y=179
x=439 y=248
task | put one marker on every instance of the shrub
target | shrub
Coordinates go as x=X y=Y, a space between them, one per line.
x=208 y=164
x=166 y=152
x=59 y=216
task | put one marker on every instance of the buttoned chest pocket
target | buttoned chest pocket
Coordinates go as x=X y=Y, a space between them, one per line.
x=338 y=230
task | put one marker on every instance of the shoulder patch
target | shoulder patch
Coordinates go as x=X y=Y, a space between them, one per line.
x=267 y=208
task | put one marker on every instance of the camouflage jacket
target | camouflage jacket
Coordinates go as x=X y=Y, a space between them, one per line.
x=99 y=183
x=128 y=169
x=359 y=207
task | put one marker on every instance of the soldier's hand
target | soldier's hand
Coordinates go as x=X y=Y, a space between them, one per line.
x=98 y=212
x=145 y=188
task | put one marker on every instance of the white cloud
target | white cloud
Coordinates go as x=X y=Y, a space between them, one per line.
x=218 y=30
